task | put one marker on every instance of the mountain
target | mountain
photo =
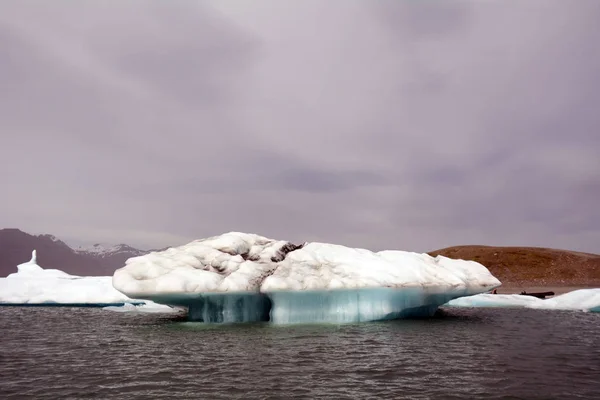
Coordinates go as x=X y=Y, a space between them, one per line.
x=16 y=247
x=532 y=266
x=105 y=252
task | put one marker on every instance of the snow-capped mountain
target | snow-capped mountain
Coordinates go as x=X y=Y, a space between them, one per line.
x=98 y=259
x=106 y=250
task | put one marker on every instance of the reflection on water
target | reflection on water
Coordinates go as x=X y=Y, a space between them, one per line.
x=461 y=353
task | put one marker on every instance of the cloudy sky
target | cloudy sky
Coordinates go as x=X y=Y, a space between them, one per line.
x=380 y=124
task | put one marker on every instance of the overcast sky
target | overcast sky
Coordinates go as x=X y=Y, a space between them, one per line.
x=379 y=124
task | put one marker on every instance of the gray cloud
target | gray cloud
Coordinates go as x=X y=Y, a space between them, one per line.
x=377 y=124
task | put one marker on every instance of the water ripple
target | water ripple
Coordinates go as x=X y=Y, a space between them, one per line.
x=461 y=353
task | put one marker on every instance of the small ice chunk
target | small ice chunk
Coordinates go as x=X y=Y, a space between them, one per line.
x=582 y=299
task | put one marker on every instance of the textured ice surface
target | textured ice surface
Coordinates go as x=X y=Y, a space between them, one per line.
x=238 y=277
x=357 y=305
x=32 y=284
x=583 y=299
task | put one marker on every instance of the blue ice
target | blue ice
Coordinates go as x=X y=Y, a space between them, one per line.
x=326 y=306
x=355 y=305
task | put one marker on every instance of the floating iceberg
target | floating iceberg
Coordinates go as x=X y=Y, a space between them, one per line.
x=149 y=307
x=583 y=299
x=494 y=300
x=33 y=285
x=238 y=277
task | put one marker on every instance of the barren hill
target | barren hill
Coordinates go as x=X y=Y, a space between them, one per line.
x=532 y=266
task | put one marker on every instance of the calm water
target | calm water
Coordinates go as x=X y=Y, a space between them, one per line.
x=60 y=353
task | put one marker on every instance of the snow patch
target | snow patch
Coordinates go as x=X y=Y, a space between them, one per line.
x=106 y=250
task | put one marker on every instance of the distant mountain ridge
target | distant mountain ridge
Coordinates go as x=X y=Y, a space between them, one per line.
x=107 y=250
x=99 y=259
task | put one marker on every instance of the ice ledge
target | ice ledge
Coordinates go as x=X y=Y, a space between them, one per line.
x=582 y=300
x=331 y=306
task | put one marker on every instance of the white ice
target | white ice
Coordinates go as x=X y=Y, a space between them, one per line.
x=245 y=277
x=32 y=284
x=149 y=307
x=583 y=299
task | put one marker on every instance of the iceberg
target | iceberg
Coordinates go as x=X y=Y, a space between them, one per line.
x=494 y=301
x=579 y=300
x=34 y=285
x=148 y=307
x=241 y=277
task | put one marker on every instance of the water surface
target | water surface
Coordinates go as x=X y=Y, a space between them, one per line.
x=50 y=353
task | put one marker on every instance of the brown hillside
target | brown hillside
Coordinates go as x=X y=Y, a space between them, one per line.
x=533 y=266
